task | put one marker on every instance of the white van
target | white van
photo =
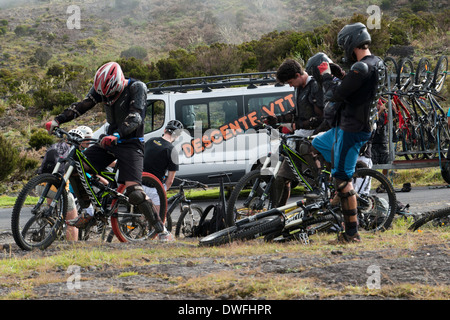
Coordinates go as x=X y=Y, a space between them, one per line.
x=219 y=114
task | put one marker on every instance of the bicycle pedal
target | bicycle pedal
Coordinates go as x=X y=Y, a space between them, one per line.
x=303 y=238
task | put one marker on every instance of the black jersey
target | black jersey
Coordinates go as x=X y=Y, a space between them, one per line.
x=159 y=158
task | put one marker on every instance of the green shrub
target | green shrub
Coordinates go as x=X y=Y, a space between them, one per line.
x=9 y=156
x=135 y=51
x=40 y=138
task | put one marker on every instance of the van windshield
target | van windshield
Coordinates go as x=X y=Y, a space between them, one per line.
x=154 y=119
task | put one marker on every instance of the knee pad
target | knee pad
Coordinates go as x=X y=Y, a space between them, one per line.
x=350 y=212
x=136 y=196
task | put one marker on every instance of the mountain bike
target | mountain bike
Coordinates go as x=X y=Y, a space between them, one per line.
x=190 y=214
x=434 y=218
x=440 y=73
x=203 y=226
x=131 y=224
x=254 y=192
x=301 y=219
x=39 y=213
x=257 y=186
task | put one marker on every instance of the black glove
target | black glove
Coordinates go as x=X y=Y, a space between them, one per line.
x=271 y=120
x=337 y=71
x=314 y=122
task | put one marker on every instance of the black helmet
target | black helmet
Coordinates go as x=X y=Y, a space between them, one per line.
x=173 y=125
x=315 y=61
x=352 y=36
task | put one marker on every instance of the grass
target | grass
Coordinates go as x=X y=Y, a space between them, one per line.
x=246 y=278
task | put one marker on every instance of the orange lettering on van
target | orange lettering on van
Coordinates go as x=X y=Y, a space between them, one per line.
x=188 y=150
x=226 y=133
x=206 y=142
x=271 y=111
x=252 y=117
x=242 y=120
x=289 y=99
x=216 y=136
x=234 y=126
x=197 y=144
x=279 y=103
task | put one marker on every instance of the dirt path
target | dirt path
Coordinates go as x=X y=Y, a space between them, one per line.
x=386 y=271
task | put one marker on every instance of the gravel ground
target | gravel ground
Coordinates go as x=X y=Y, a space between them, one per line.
x=341 y=267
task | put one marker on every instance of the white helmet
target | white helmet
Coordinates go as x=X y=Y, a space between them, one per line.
x=86 y=131
x=76 y=133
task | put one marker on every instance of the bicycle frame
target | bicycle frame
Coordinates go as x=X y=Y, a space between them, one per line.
x=293 y=158
x=77 y=160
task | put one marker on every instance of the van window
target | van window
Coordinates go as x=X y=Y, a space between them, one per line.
x=210 y=113
x=154 y=119
x=277 y=103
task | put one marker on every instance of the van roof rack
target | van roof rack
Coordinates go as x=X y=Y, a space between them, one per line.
x=207 y=83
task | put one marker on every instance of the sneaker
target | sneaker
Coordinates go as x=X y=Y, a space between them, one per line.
x=81 y=221
x=165 y=236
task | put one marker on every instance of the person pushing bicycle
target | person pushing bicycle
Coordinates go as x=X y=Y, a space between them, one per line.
x=356 y=96
x=125 y=103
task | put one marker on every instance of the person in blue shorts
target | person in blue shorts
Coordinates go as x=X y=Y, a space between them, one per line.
x=356 y=95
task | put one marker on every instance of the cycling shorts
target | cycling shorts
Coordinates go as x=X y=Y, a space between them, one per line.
x=342 y=149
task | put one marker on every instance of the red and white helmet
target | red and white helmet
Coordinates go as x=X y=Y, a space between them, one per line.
x=109 y=79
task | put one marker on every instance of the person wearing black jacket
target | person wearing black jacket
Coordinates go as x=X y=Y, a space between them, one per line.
x=125 y=102
x=356 y=96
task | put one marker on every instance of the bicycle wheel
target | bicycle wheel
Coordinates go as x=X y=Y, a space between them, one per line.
x=246 y=198
x=32 y=225
x=127 y=216
x=188 y=220
x=376 y=210
x=435 y=218
x=391 y=73
x=248 y=231
x=405 y=74
x=423 y=74
x=440 y=72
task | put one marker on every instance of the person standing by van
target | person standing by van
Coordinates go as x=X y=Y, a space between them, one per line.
x=357 y=95
x=306 y=117
x=161 y=161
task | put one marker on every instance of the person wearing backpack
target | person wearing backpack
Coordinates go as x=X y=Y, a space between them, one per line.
x=55 y=152
x=356 y=96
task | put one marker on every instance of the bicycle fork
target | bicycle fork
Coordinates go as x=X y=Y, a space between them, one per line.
x=260 y=203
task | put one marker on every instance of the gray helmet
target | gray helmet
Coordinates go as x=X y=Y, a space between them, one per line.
x=173 y=125
x=315 y=61
x=352 y=36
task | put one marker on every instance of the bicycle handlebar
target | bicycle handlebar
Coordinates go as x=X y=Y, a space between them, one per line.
x=192 y=183
x=60 y=133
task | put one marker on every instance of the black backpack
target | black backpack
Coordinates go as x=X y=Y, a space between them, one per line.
x=53 y=154
x=216 y=223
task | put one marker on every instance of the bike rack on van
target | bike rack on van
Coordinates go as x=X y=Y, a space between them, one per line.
x=206 y=83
